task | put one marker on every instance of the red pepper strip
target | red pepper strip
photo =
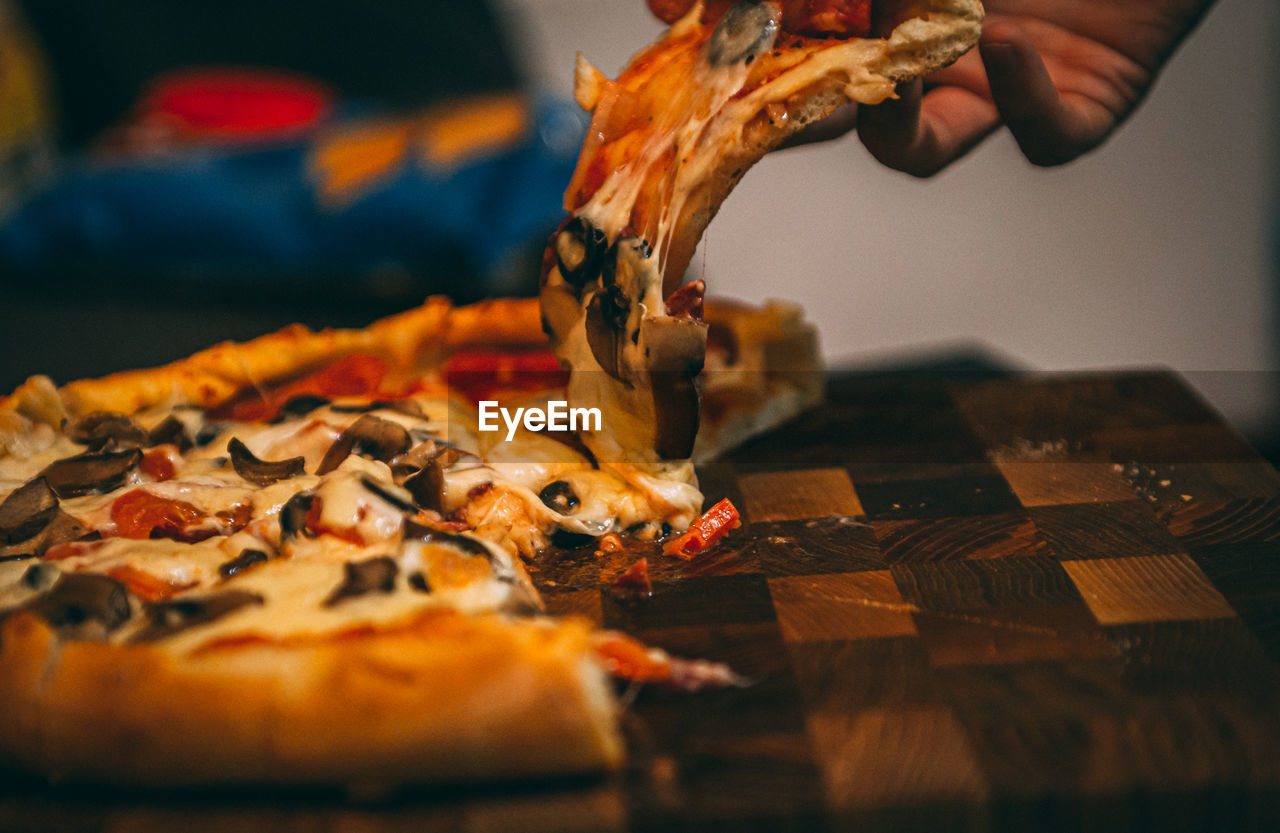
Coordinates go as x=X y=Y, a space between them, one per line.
x=635 y=579
x=144 y=585
x=630 y=659
x=686 y=301
x=705 y=532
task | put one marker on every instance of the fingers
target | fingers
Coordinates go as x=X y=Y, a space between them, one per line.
x=921 y=133
x=1049 y=128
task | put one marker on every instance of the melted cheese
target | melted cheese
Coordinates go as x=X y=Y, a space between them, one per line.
x=495 y=500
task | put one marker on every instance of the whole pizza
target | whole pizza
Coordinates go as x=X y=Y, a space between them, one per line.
x=303 y=559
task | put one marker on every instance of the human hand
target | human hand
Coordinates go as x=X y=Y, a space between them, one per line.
x=1060 y=74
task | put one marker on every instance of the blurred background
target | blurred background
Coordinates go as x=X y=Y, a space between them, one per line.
x=389 y=149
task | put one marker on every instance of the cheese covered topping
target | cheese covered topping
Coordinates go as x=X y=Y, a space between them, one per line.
x=172 y=526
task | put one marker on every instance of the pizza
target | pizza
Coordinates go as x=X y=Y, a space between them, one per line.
x=668 y=140
x=301 y=559
x=305 y=558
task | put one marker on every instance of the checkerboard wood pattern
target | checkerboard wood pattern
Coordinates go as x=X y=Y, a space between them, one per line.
x=970 y=603
x=963 y=603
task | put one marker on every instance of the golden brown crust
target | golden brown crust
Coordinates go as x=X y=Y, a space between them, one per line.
x=443 y=698
x=924 y=36
x=411 y=342
x=775 y=375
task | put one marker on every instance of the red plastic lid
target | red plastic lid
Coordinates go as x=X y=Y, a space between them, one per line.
x=236 y=102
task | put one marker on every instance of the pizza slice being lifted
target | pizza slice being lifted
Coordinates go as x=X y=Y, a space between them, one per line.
x=669 y=138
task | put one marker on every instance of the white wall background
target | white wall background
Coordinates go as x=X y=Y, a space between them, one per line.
x=1155 y=250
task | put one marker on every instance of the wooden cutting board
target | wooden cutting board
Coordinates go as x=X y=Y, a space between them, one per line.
x=966 y=603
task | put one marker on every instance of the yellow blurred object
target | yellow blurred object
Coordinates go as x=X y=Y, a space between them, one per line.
x=26 y=111
x=456 y=131
x=351 y=158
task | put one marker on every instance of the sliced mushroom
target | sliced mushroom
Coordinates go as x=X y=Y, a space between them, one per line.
x=299 y=406
x=246 y=559
x=374 y=575
x=559 y=496
x=501 y=570
x=16 y=556
x=171 y=431
x=580 y=249
x=606 y=323
x=262 y=472
x=176 y=615
x=394 y=495
x=676 y=404
x=27 y=510
x=59 y=529
x=414 y=531
x=91 y=472
x=624 y=260
x=427 y=485
x=99 y=428
x=412 y=461
x=293 y=515
x=744 y=32
x=368 y=436
x=676 y=351
x=40 y=577
x=77 y=599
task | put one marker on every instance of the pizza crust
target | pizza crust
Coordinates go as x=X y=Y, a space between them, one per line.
x=925 y=36
x=411 y=342
x=442 y=698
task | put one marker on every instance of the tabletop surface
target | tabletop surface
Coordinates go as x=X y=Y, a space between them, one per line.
x=964 y=602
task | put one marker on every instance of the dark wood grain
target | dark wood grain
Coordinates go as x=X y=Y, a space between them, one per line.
x=964 y=602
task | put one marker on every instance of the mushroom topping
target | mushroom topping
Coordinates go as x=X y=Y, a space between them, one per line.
x=91 y=472
x=293 y=515
x=80 y=598
x=427 y=485
x=374 y=575
x=676 y=405
x=421 y=471
x=262 y=472
x=59 y=529
x=369 y=436
x=502 y=571
x=677 y=348
x=300 y=405
x=606 y=324
x=559 y=497
x=394 y=495
x=40 y=577
x=100 y=428
x=744 y=33
x=171 y=431
x=26 y=511
x=246 y=559
x=580 y=248
x=624 y=261
x=175 y=615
